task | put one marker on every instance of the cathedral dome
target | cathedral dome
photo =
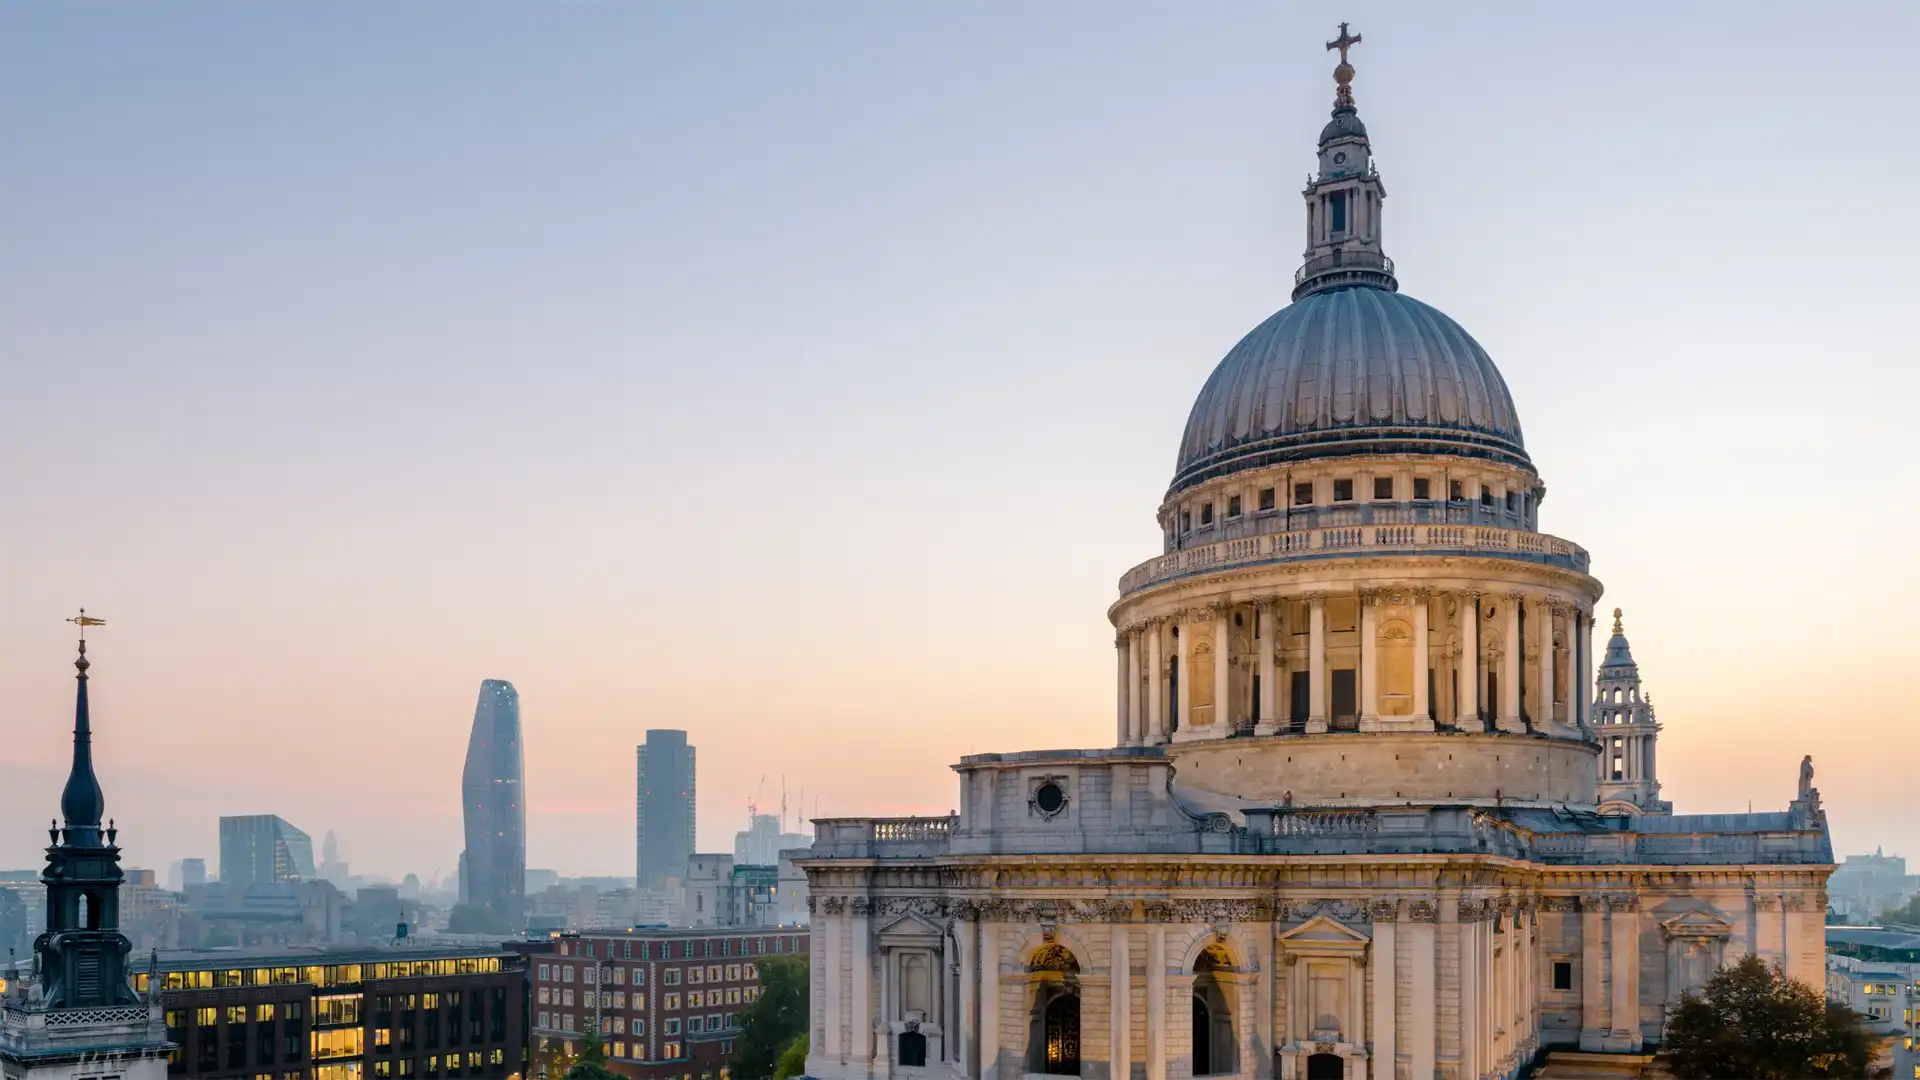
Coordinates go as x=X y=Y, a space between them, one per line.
x=1355 y=370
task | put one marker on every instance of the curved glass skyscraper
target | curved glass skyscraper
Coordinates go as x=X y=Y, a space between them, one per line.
x=496 y=813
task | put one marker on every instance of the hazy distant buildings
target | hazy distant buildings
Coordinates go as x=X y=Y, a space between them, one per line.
x=761 y=842
x=332 y=867
x=193 y=872
x=261 y=849
x=494 y=866
x=664 y=809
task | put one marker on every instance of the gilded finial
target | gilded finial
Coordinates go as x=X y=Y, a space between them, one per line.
x=1343 y=74
x=83 y=620
x=1616 y=621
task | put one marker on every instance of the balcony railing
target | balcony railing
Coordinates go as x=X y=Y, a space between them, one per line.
x=1342 y=260
x=867 y=838
x=1357 y=540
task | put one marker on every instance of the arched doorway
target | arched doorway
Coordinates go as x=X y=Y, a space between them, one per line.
x=1215 y=1051
x=913 y=1050
x=1062 y=1050
x=1326 y=1067
x=1053 y=1042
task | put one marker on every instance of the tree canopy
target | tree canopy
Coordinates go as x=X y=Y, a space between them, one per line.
x=1752 y=1022
x=793 y=1061
x=591 y=1062
x=770 y=1025
x=1908 y=915
x=474 y=919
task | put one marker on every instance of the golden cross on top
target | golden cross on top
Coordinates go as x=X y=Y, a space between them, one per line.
x=1344 y=42
x=84 y=620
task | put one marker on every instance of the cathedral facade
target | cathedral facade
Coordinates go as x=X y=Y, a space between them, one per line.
x=1367 y=812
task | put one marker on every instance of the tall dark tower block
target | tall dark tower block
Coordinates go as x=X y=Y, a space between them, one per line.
x=492 y=796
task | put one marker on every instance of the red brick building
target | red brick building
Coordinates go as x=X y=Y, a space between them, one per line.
x=669 y=1001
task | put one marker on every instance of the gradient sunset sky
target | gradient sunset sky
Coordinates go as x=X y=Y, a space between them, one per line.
x=805 y=376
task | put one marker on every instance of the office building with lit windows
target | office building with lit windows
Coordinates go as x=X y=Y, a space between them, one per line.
x=419 y=1013
x=670 y=1001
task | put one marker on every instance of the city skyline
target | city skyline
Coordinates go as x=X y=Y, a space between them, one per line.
x=686 y=395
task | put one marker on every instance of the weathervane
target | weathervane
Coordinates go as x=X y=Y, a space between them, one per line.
x=84 y=620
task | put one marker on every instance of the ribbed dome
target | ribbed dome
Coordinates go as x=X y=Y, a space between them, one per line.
x=1350 y=371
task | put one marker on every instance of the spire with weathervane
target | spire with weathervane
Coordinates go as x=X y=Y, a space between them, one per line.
x=1344 y=198
x=82 y=954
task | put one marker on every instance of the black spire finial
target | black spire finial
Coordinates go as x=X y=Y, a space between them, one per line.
x=82 y=803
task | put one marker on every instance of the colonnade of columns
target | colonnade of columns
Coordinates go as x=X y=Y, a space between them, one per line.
x=1157 y=663
x=1136 y=987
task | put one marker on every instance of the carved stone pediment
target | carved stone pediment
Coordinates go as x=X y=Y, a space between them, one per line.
x=909 y=931
x=1696 y=924
x=1324 y=936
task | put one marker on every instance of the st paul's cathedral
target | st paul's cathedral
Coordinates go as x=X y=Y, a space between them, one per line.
x=1372 y=809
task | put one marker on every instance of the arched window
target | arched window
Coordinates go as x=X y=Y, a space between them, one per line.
x=89 y=911
x=1053 y=1043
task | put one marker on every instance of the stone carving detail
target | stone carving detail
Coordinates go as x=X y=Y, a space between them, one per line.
x=1422 y=911
x=1794 y=902
x=862 y=907
x=1559 y=903
x=1622 y=902
x=1383 y=910
x=1339 y=910
x=834 y=905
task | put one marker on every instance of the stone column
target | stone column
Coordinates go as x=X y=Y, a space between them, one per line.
x=1548 y=610
x=1467 y=716
x=1156 y=964
x=1421 y=1031
x=1586 y=670
x=860 y=1010
x=1471 y=990
x=1422 y=661
x=1317 y=664
x=1156 y=686
x=1512 y=656
x=1183 y=705
x=1120 y=1021
x=967 y=1051
x=1222 y=669
x=829 y=955
x=1384 y=976
x=1369 y=660
x=1123 y=723
x=1625 y=934
x=989 y=964
x=1269 y=639
x=1593 y=1005
x=1132 y=736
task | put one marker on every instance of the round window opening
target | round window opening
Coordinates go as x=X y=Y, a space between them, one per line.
x=1050 y=798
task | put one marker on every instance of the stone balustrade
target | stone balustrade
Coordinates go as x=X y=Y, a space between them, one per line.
x=872 y=838
x=1424 y=539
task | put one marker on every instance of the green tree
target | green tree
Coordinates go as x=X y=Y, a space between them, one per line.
x=474 y=919
x=591 y=1062
x=1909 y=915
x=1752 y=1022
x=769 y=1026
x=793 y=1060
